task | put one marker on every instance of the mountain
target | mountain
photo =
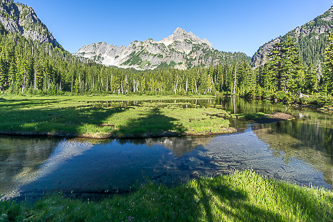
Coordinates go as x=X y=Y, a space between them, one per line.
x=22 y=19
x=310 y=38
x=181 y=50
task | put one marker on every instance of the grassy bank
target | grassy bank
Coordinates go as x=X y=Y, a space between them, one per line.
x=92 y=117
x=242 y=196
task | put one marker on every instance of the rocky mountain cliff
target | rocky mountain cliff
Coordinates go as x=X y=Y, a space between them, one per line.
x=310 y=39
x=19 y=18
x=181 y=50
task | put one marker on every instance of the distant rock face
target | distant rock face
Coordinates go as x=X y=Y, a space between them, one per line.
x=19 y=18
x=181 y=35
x=313 y=34
x=180 y=50
x=261 y=56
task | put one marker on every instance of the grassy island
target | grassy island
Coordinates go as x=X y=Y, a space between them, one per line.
x=109 y=117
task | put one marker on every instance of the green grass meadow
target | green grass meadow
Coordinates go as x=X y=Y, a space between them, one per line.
x=85 y=117
x=241 y=196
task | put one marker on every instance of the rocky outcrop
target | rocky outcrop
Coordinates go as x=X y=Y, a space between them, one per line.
x=19 y=18
x=180 y=50
x=261 y=56
x=311 y=35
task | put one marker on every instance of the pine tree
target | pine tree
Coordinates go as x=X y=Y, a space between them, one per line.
x=285 y=68
x=328 y=68
x=268 y=80
x=12 y=76
x=292 y=68
x=3 y=76
x=311 y=79
x=275 y=65
x=39 y=74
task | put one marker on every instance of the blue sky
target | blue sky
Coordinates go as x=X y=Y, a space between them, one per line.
x=230 y=25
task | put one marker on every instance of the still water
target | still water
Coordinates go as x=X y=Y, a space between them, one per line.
x=299 y=151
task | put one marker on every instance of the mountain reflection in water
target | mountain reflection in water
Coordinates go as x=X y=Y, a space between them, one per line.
x=178 y=145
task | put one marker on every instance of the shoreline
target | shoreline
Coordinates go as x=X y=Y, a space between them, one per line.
x=110 y=136
x=268 y=119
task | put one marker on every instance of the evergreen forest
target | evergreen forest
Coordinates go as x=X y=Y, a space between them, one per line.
x=28 y=67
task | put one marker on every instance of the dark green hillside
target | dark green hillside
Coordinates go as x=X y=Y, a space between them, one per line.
x=310 y=38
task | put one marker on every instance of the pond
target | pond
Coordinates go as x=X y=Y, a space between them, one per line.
x=298 y=151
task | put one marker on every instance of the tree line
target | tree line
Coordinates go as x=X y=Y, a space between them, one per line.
x=28 y=67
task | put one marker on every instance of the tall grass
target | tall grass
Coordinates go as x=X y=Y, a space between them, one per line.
x=242 y=196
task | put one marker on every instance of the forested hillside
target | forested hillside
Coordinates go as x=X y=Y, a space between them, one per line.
x=310 y=39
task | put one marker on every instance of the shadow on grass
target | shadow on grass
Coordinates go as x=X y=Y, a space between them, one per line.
x=70 y=121
x=24 y=117
x=17 y=104
x=217 y=200
x=153 y=124
x=204 y=200
x=229 y=201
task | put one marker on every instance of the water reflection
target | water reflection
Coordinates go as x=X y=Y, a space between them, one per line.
x=178 y=145
x=20 y=160
x=81 y=168
x=238 y=105
x=308 y=142
x=115 y=165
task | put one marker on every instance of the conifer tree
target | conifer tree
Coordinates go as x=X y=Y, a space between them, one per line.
x=328 y=69
x=311 y=79
x=3 y=76
x=12 y=75
x=274 y=71
x=39 y=74
x=285 y=67
x=292 y=77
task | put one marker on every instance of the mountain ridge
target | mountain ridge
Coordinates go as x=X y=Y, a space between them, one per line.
x=310 y=38
x=20 y=18
x=181 y=50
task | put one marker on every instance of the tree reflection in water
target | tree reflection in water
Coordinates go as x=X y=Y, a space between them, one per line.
x=307 y=140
